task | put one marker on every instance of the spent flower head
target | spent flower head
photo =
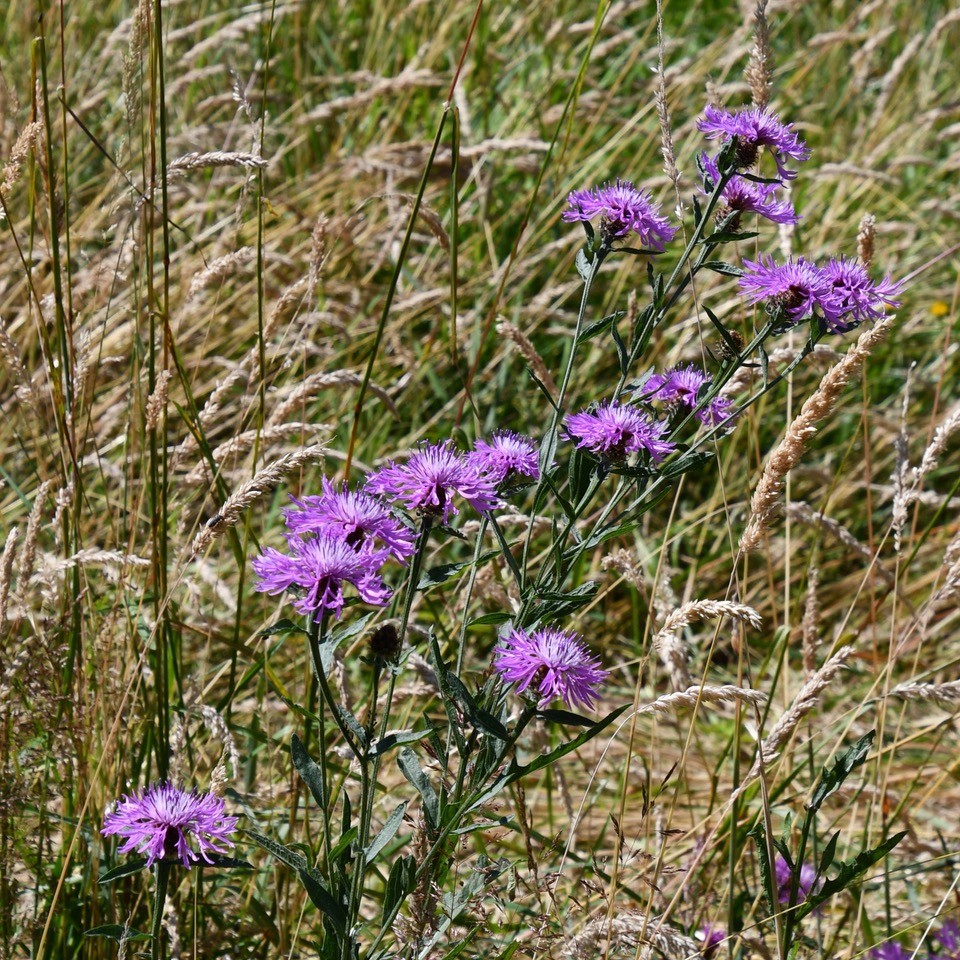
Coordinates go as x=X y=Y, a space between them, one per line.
x=555 y=662
x=505 y=456
x=613 y=432
x=741 y=195
x=319 y=566
x=754 y=128
x=167 y=823
x=430 y=479
x=859 y=298
x=623 y=209
x=797 y=288
x=352 y=516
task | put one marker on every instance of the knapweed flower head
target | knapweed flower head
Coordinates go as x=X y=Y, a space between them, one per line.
x=797 y=288
x=784 y=877
x=711 y=937
x=682 y=385
x=556 y=663
x=319 y=566
x=741 y=195
x=613 y=431
x=352 y=516
x=890 y=950
x=506 y=455
x=431 y=479
x=858 y=297
x=948 y=937
x=755 y=128
x=623 y=209
x=167 y=823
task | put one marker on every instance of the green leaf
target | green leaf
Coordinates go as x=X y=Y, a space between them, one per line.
x=410 y=768
x=828 y=855
x=598 y=326
x=583 y=265
x=392 y=740
x=117 y=931
x=849 y=871
x=766 y=868
x=559 y=605
x=316 y=891
x=446 y=571
x=281 y=627
x=565 y=716
x=226 y=863
x=310 y=772
x=343 y=844
x=843 y=765
x=399 y=884
x=720 y=266
x=489 y=618
x=686 y=463
x=387 y=833
x=124 y=870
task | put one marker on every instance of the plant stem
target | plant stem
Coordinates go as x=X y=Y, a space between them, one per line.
x=158 y=951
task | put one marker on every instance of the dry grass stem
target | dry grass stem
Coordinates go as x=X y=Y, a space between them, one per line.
x=6 y=571
x=865 y=238
x=673 y=651
x=745 y=376
x=944 y=694
x=759 y=70
x=630 y=934
x=529 y=353
x=157 y=401
x=663 y=111
x=29 y=137
x=218 y=270
x=804 y=513
x=180 y=166
x=810 y=625
x=297 y=398
x=696 y=695
x=264 y=482
x=816 y=408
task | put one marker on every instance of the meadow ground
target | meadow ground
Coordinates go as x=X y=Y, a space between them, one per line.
x=246 y=246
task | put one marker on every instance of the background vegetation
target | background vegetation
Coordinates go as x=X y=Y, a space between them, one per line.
x=224 y=313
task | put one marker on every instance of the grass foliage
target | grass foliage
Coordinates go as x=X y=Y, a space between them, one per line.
x=246 y=238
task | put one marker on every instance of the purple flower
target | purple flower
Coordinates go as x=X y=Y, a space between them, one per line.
x=161 y=820
x=431 y=477
x=623 y=209
x=556 y=662
x=889 y=950
x=808 y=877
x=320 y=566
x=797 y=287
x=741 y=195
x=613 y=432
x=351 y=516
x=712 y=938
x=949 y=939
x=755 y=128
x=859 y=298
x=506 y=454
x=682 y=385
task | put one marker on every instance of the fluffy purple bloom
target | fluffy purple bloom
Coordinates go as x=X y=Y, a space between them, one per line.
x=797 y=287
x=755 y=128
x=712 y=937
x=613 y=432
x=167 y=823
x=682 y=385
x=624 y=209
x=430 y=479
x=784 y=876
x=351 y=516
x=741 y=195
x=320 y=566
x=505 y=454
x=555 y=662
x=889 y=950
x=859 y=298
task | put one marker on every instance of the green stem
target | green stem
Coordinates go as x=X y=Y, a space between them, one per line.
x=158 y=951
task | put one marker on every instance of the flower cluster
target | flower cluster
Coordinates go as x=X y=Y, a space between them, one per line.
x=167 y=823
x=506 y=457
x=613 y=431
x=682 y=386
x=752 y=129
x=841 y=293
x=740 y=195
x=623 y=209
x=555 y=662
